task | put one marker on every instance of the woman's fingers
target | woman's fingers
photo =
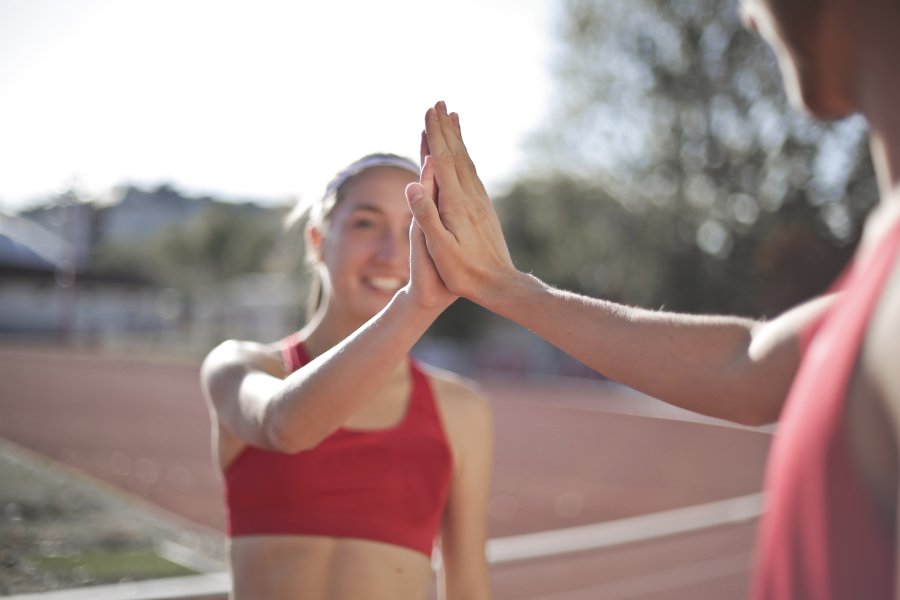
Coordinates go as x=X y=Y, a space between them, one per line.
x=423 y=149
x=418 y=250
x=421 y=199
x=419 y=247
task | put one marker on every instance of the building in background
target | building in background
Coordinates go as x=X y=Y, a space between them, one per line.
x=136 y=214
x=47 y=288
x=51 y=286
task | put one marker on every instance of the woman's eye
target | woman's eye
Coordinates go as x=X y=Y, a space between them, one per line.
x=363 y=224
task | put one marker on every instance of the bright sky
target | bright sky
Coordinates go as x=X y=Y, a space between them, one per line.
x=257 y=99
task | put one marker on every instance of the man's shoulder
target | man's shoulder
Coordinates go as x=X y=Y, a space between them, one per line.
x=881 y=353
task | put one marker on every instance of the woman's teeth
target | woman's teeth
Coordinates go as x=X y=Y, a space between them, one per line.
x=386 y=284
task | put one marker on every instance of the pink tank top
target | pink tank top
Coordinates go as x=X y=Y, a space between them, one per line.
x=821 y=537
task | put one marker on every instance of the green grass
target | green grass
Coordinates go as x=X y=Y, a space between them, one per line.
x=109 y=567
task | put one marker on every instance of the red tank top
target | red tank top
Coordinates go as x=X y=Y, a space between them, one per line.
x=821 y=537
x=386 y=485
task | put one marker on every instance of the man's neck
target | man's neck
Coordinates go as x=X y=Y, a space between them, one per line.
x=879 y=99
x=885 y=148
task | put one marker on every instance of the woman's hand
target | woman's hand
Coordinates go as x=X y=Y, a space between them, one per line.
x=425 y=286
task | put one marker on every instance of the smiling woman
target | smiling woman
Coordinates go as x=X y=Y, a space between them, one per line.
x=358 y=210
x=343 y=459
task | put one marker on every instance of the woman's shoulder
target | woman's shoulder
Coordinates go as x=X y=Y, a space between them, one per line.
x=233 y=353
x=459 y=398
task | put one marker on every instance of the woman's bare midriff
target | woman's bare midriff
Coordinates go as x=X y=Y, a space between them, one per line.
x=322 y=568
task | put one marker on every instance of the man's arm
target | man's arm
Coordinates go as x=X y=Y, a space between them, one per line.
x=727 y=367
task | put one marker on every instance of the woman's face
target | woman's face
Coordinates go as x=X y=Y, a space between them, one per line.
x=363 y=252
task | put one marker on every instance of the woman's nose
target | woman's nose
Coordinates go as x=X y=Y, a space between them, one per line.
x=393 y=247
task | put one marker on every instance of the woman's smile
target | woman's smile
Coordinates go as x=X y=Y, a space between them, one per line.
x=386 y=284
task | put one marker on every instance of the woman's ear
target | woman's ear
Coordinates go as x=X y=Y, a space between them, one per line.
x=314 y=239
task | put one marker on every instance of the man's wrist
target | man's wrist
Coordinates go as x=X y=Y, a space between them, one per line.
x=506 y=290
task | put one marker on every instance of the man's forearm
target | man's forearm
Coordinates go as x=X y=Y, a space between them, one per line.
x=701 y=363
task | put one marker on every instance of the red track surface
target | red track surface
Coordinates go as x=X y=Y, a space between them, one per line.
x=567 y=454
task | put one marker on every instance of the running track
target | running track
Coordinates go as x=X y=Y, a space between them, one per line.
x=568 y=454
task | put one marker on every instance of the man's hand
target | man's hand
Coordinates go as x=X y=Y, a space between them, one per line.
x=461 y=228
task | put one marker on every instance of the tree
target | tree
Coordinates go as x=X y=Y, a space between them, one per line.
x=573 y=232
x=222 y=242
x=678 y=113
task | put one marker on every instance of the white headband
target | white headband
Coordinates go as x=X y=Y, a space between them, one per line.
x=368 y=162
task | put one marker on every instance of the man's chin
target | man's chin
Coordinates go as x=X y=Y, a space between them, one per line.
x=819 y=106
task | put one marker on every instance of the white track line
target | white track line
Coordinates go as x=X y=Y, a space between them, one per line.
x=660 y=581
x=610 y=397
x=191 y=587
x=623 y=531
x=500 y=551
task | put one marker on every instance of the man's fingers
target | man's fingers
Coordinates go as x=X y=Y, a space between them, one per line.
x=436 y=136
x=444 y=137
x=466 y=173
x=461 y=190
x=452 y=137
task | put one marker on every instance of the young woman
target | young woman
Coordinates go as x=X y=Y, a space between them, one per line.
x=342 y=457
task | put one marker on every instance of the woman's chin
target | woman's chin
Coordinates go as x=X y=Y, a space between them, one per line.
x=375 y=305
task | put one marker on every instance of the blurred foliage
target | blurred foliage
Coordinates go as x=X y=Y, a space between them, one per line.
x=671 y=171
x=98 y=568
x=221 y=243
x=574 y=233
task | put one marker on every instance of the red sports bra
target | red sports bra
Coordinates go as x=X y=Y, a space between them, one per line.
x=388 y=485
